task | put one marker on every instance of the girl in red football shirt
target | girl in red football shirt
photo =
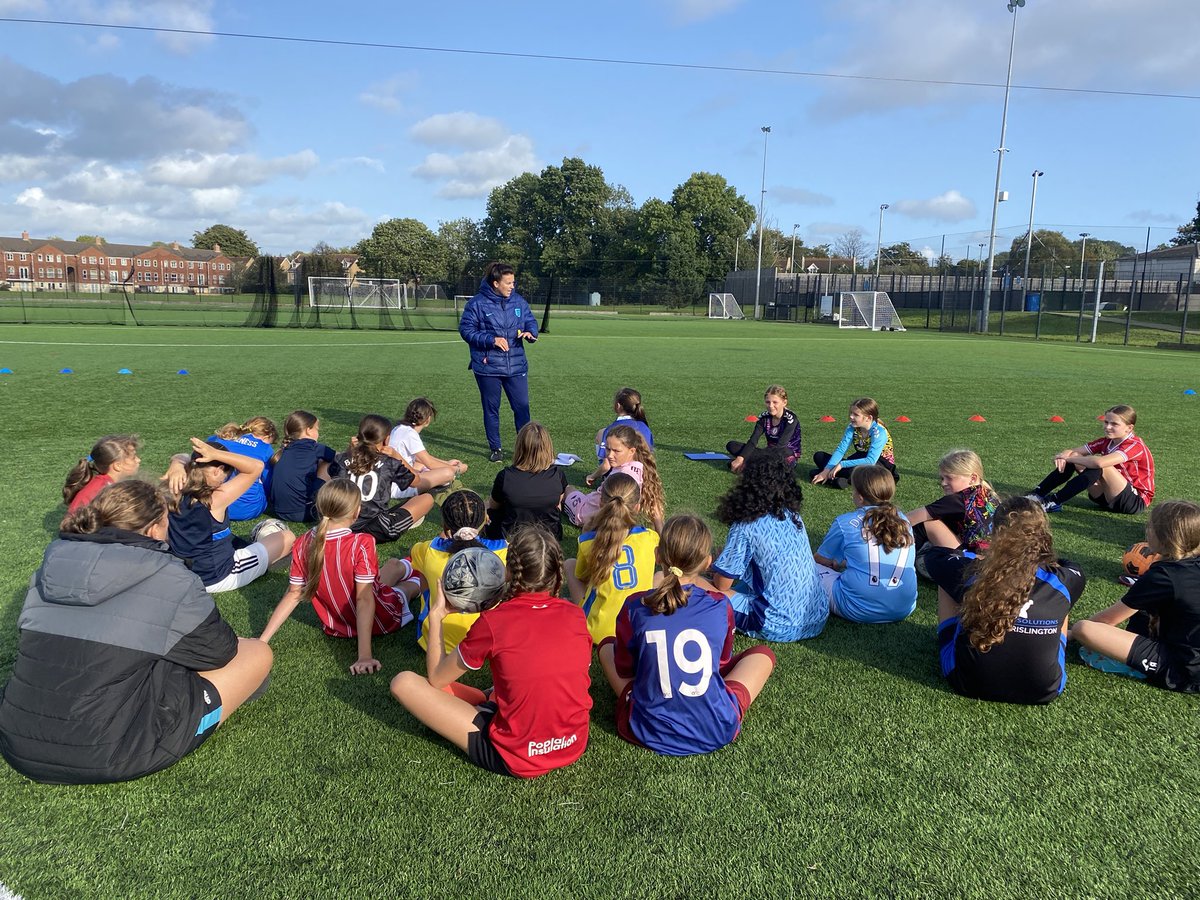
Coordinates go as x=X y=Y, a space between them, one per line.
x=113 y=458
x=539 y=649
x=337 y=570
x=1116 y=470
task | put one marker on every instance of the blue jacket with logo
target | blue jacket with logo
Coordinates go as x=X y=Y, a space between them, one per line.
x=487 y=316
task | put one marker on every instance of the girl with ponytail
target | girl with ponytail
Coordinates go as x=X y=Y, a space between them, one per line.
x=539 y=652
x=463 y=515
x=328 y=560
x=616 y=556
x=680 y=690
x=1003 y=636
x=112 y=458
x=865 y=562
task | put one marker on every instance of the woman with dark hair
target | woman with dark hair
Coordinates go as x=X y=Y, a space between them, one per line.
x=124 y=664
x=495 y=324
x=767 y=565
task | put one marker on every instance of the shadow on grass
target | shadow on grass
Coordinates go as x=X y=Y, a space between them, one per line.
x=52 y=520
x=905 y=649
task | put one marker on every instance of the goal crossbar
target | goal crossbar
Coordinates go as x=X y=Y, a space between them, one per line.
x=868 y=309
x=359 y=293
x=724 y=306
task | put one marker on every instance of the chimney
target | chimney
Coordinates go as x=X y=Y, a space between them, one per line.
x=216 y=248
x=24 y=235
x=99 y=241
x=174 y=245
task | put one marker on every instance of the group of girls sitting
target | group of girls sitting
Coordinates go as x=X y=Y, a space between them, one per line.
x=645 y=591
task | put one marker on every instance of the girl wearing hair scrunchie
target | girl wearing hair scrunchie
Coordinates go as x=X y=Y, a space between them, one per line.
x=463 y=514
x=680 y=690
x=113 y=458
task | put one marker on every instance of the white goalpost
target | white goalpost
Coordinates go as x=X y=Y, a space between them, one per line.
x=868 y=309
x=724 y=306
x=359 y=293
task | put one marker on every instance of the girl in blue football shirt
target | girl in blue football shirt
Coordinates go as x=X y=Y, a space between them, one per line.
x=680 y=690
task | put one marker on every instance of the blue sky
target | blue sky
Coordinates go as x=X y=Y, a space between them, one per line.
x=142 y=136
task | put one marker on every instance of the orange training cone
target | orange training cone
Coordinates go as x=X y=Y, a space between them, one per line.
x=1057 y=419
x=751 y=418
x=828 y=419
x=977 y=418
x=903 y=419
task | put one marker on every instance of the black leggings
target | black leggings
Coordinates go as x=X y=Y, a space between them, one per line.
x=821 y=458
x=1076 y=483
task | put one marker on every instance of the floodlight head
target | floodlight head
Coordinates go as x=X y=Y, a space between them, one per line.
x=884 y=206
x=766 y=129
x=1037 y=174
x=1014 y=4
x=1085 y=234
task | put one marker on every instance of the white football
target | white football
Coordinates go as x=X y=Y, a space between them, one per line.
x=265 y=528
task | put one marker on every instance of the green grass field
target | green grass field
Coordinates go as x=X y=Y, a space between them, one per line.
x=858 y=773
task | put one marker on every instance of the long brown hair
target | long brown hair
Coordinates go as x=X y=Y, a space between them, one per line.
x=1176 y=527
x=629 y=402
x=128 y=505
x=653 y=499
x=535 y=562
x=883 y=521
x=294 y=426
x=337 y=500
x=533 y=451
x=364 y=452
x=685 y=546
x=259 y=426
x=197 y=485
x=106 y=451
x=618 y=513
x=1005 y=575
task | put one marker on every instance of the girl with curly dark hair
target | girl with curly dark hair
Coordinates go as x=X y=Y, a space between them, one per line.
x=767 y=564
x=1004 y=637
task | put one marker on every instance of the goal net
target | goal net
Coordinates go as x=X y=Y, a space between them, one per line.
x=868 y=309
x=724 y=306
x=359 y=293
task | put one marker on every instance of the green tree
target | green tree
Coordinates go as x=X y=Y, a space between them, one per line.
x=1051 y=253
x=1189 y=232
x=902 y=258
x=402 y=248
x=90 y=239
x=660 y=249
x=718 y=217
x=462 y=245
x=232 y=241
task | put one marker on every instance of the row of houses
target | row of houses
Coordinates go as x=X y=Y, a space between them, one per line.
x=51 y=264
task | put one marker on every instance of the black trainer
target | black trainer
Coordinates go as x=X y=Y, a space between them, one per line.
x=497 y=455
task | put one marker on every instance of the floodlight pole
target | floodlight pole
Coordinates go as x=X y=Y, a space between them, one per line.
x=792 y=258
x=879 y=244
x=1083 y=266
x=1013 y=6
x=762 y=199
x=1029 y=237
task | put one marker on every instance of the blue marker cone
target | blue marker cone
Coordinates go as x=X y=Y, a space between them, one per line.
x=182 y=372
x=65 y=372
x=124 y=372
x=1190 y=392
x=6 y=371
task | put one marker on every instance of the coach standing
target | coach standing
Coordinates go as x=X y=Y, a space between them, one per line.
x=495 y=323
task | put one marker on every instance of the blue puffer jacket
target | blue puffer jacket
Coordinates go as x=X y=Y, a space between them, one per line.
x=487 y=316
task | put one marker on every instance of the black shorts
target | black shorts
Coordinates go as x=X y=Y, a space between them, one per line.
x=1127 y=502
x=209 y=714
x=947 y=569
x=1146 y=656
x=387 y=526
x=480 y=749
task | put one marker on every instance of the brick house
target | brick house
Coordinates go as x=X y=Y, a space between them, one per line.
x=55 y=265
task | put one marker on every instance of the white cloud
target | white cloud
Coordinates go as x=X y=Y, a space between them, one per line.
x=801 y=196
x=688 y=11
x=459 y=129
x=948 y=207
x=1115 y=45
x=386 y=95
x=1141 y=216
x=184 y=15
x=220 y=169
x=489 y=155
x=217 y=202
x=21 y=7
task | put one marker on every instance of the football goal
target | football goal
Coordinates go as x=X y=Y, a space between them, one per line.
x=359 y=293
x=724 y=306
x=868 y=309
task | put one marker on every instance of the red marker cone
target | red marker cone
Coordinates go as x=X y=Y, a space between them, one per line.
x=1057 y=419
x=903 y=419
x=828 y=419
x=977 y=418
x=1100 y=417
x=752 y=418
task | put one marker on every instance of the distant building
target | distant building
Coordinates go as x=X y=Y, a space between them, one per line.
x=1161 y=265
x=50 y=264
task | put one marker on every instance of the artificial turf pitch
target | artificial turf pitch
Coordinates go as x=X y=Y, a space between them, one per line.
x=857 y=772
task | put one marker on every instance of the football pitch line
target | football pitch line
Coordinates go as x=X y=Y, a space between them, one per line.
x=228 y=346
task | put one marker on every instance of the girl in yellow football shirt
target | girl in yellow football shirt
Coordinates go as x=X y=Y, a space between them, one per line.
x=616 y=557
